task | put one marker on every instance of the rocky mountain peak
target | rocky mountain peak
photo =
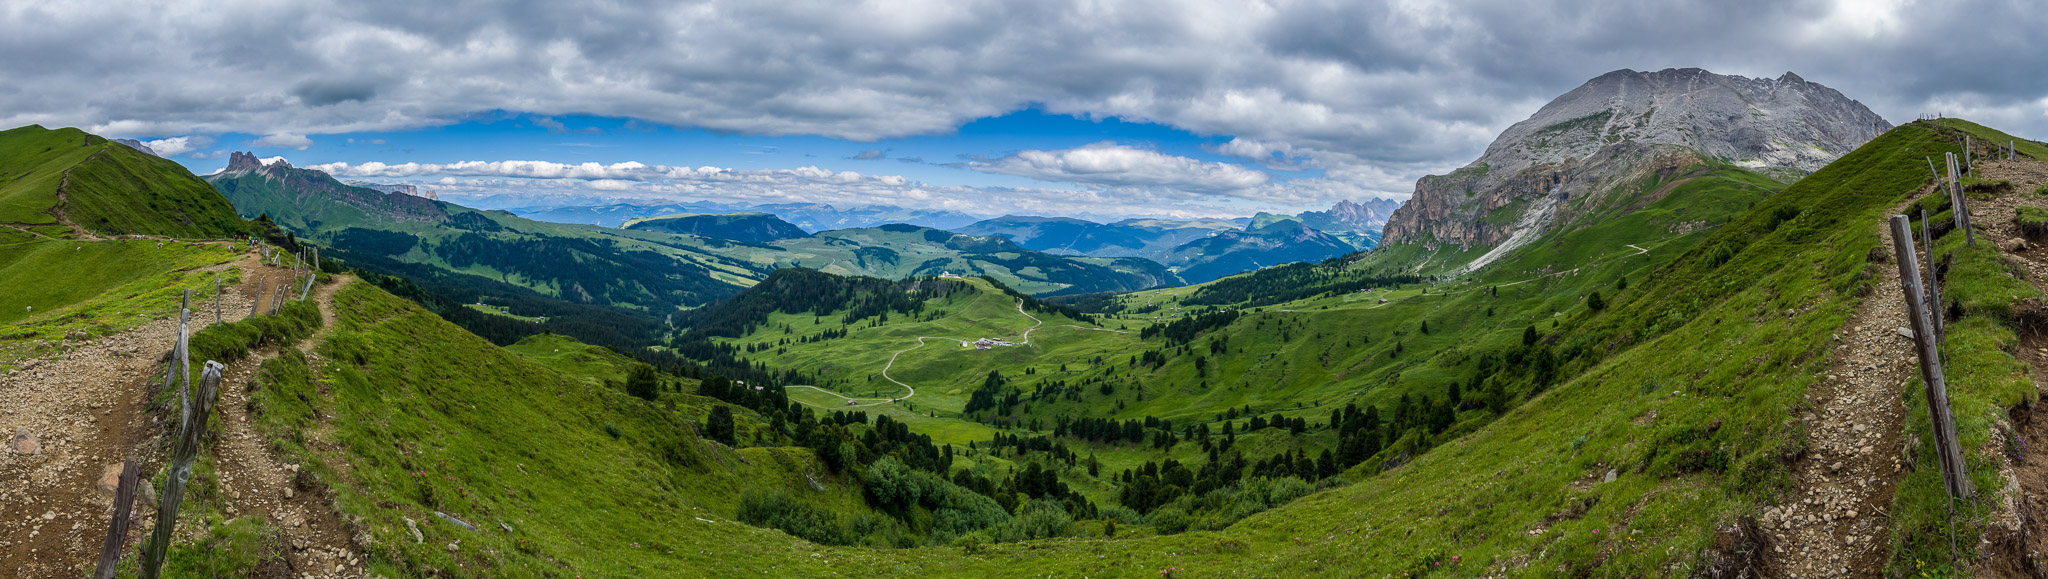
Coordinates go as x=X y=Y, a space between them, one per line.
x=1585 y=142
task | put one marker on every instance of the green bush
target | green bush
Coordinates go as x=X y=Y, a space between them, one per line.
x=1042 y=518
x=776 y=509
x=1169 y=520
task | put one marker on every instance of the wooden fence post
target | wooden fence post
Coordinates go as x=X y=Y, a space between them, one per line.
x=1954 y=475
x=257 y=301
x=190 y=430
x=216 y=300
x=1934 y=305
x=1959 y=206
x=117 y=531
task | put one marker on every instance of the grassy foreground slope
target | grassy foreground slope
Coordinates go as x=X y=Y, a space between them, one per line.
x=49 y=177
x=404 y=414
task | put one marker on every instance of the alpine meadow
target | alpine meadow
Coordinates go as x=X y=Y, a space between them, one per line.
x=365 y=289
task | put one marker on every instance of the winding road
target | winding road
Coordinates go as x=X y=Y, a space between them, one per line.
x=856 y=402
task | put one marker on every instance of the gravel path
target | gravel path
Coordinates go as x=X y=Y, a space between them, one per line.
x=1833 y=525
x=84 y=412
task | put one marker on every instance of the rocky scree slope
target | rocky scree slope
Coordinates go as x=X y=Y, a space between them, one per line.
x=1621 y=128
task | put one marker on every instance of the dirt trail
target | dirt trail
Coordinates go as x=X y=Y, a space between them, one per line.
x=255 y=482
x=86 y=412
x=1834 y=525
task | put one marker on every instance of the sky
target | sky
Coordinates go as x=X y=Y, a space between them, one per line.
x=1052 y=107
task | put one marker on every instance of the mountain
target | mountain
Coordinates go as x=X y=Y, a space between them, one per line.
x=898 y=250
x=1275 y=241
x=1347 y=216
x=812 y=217
x=1587 y=151
x=1150 y=238
x=750 y=227
x=137 y=145
x=465 y=254
x=408 y=189
x=66 y=178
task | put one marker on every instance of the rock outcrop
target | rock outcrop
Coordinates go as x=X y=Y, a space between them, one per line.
x=1618 y=128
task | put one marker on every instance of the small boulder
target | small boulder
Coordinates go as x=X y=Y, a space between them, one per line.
x=25 y=442
x=110 y=478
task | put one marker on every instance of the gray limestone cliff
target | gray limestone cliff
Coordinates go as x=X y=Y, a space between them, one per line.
x=1622 y=126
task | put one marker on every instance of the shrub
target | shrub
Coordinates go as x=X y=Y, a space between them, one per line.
x=1169 y=520
x=776 y=509
x=1042 y=518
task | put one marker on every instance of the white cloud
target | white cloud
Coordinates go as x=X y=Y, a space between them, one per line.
x=284 y=141
x=558 y=183
x=175 y=146
x=1112 y=165
x=1378 y=90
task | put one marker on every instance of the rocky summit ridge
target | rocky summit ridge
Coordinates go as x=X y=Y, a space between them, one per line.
x=1620 y=127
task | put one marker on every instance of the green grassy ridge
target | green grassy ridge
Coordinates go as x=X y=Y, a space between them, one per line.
x=427 y=417
x=83 y=289
x=107 y=187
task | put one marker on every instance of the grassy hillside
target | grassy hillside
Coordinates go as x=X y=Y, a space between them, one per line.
x=92 y=288
x=66 y=175
x=1557 y=394
x=561 y=472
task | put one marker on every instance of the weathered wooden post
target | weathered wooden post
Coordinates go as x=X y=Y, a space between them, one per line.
x=1933 y=285
x=1954 y=475
x=1932 y=170
x=257 y=301
x=1959 y=204
x=117 y=531
x=190 y=429
x=216 y=300
x=1967 y=166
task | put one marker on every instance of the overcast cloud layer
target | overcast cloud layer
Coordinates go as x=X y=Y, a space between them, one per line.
x=1373 y=93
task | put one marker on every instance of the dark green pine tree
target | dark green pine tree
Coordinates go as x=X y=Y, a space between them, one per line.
x=643 y=382
x=720 y=426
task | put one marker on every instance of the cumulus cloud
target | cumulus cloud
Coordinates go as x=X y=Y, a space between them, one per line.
x=1380 y=90
x=563 y=183
x=175 y=146
x=1112 y=165
x=284 y=141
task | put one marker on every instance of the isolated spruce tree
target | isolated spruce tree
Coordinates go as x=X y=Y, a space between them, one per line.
x=1621 y=284
x=720 y=427
x=1529 y=336
x=643 y=382
x=1425 y=327
x=1593 y=302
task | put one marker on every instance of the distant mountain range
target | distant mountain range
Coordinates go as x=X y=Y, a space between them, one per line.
x=1198 y=250
x=673 y=260
x=812 y=217
x=749 y=227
